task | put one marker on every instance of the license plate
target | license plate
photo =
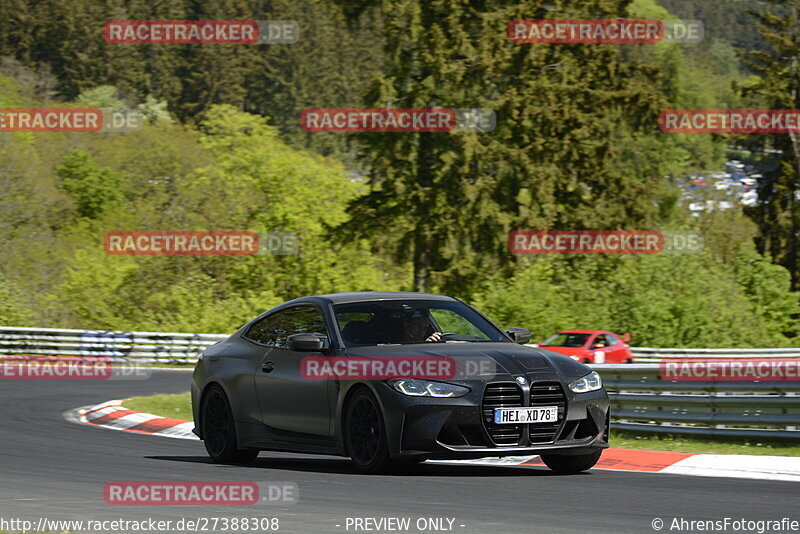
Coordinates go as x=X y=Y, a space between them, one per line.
x=515 y=416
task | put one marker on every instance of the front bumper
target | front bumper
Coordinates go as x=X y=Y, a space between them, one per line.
x=422 y=427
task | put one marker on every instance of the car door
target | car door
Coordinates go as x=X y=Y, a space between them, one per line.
x=618 y=354
x=288 y=401
x=600 y=354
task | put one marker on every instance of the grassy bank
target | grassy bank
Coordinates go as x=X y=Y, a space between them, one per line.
x=625 y=440
x=177 y=406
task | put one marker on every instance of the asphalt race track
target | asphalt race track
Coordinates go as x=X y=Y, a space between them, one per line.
x=53 y=468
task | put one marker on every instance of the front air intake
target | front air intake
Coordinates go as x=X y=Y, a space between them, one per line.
x=501 y=395
x=547 y=394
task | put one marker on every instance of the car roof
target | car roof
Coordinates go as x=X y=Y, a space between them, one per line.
x=586 y=332
x=362 y=296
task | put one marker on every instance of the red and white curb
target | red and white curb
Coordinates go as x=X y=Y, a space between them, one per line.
x=114 y=415
x=678 y=463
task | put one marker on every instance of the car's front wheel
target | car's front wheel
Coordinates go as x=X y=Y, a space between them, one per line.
x=365 y=436
x=219 y=430
x=567 y=465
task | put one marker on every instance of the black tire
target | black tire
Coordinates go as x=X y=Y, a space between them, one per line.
x=365 y=435
x=568 y=465
x=219 y=430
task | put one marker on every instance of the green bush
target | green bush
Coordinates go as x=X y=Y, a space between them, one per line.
x=689 y=300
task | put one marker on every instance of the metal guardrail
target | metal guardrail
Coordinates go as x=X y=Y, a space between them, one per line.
x=649 y=354
x=145 y=347
x=645 y=354
x=641 y=401
x=186 y=348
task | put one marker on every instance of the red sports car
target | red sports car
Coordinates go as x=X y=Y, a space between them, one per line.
x=591 y=346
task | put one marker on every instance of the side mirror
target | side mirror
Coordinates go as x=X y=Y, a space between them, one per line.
x=520 y=335
x=626 y=338
x=304 y=343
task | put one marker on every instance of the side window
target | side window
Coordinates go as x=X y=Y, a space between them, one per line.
x=300 y=320
x=275 y=329
x=263 y=330
x=600 y=339
x=346 y=318
x=306 y=320
x=281 y=329
x=612 y=340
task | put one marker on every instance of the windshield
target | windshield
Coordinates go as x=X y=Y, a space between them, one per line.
x=400 y=322
x=566 y=339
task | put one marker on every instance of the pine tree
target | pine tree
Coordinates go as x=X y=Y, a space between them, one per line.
x=446 y=201
x=778 y=87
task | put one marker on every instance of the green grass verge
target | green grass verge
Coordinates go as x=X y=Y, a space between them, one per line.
x=179 y=407
x=626 y=440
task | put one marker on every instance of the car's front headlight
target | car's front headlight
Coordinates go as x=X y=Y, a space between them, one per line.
x=426 y=388
x=590 y=382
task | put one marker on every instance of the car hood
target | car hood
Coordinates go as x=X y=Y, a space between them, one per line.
x=508 y=358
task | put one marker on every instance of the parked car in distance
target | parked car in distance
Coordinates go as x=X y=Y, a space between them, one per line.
x=591 y=346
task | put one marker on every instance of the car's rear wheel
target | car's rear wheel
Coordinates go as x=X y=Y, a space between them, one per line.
x=567 y=465
x=219 y=430
x=365 y=436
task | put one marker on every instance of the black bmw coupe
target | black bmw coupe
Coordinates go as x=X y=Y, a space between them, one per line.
x=393 y=378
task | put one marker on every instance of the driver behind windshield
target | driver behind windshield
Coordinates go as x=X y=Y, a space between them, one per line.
x=415 y=328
